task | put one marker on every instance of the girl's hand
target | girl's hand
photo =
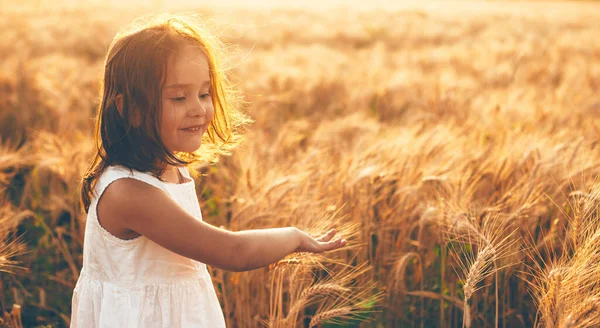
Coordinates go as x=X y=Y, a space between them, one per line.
x=321 y=244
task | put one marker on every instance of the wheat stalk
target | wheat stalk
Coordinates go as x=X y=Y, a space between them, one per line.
x=317 y=290
x=329 y=314
x=322 y=289
x=580 y=315
x=550 y=302
x=576 y=228
x=473 y=277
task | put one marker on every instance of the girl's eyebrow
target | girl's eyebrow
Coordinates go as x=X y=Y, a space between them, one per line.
x=183 y=85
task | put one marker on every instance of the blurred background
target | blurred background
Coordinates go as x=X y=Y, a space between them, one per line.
x=455 y=144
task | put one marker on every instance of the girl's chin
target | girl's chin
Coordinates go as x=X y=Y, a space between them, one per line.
x=188 y=148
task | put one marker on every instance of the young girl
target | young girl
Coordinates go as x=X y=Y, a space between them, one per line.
x=146 y=247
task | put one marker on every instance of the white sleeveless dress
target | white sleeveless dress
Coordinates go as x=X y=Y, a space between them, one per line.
x=137 y=283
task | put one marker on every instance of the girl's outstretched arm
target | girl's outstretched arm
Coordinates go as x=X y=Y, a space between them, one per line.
x=129 y=204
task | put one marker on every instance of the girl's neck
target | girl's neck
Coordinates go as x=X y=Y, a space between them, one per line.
x=172 y=174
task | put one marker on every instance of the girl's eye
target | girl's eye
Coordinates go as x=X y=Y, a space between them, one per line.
x=182 y=99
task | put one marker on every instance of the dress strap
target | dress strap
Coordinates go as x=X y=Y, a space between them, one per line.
x=185 y=171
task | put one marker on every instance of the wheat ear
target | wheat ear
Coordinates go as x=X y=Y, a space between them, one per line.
x=324 y=315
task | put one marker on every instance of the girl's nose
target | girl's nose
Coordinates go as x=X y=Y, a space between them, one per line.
x=198 y=109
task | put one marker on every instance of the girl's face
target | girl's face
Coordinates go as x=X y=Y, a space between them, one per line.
x=186 y=104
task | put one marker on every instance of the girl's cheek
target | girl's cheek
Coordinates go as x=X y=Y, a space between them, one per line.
x=210 y=113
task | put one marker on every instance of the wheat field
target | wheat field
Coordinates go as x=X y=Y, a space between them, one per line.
x=454 y=144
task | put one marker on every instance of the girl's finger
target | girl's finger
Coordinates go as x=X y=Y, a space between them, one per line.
x=327 y=236
x=335 y=244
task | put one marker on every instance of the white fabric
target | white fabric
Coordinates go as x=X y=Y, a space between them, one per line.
x=137 y=283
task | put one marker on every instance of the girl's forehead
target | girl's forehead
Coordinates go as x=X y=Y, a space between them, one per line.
x=189 y=65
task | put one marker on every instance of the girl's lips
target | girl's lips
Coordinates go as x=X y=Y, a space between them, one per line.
x=193 y=126
x=195 y=129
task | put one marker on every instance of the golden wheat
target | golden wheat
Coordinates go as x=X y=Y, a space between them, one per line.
x=327 y=315
x=461 y=136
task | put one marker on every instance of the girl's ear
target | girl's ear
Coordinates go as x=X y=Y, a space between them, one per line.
x=119 y=102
